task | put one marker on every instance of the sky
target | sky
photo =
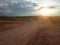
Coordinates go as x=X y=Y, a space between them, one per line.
x=26 y=7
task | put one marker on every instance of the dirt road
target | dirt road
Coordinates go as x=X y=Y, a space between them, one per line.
x=35 y=33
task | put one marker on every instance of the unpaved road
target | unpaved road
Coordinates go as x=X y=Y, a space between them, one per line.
x=35 y=33
x=18 y=36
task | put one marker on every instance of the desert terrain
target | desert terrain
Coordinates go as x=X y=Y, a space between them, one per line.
x=31 y=30
x=12 y=22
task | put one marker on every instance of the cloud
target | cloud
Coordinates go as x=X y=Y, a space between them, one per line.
x=14 y=1
x=16 y=7
x=3 y=4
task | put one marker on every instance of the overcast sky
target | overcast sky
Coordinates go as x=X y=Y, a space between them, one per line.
x=25 y=7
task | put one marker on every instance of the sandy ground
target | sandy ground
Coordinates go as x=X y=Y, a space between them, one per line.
x=41 y=32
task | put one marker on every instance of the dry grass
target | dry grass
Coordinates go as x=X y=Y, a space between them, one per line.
x=12 y=22
x=8 y=25
x=48 y=32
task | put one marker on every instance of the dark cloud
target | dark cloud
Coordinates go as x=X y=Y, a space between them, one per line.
x=15 y=7
x=51 y=7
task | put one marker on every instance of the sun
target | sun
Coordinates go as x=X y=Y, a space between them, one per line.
x=46 y=11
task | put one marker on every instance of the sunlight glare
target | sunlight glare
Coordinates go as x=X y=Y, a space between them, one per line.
x=46 y=12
